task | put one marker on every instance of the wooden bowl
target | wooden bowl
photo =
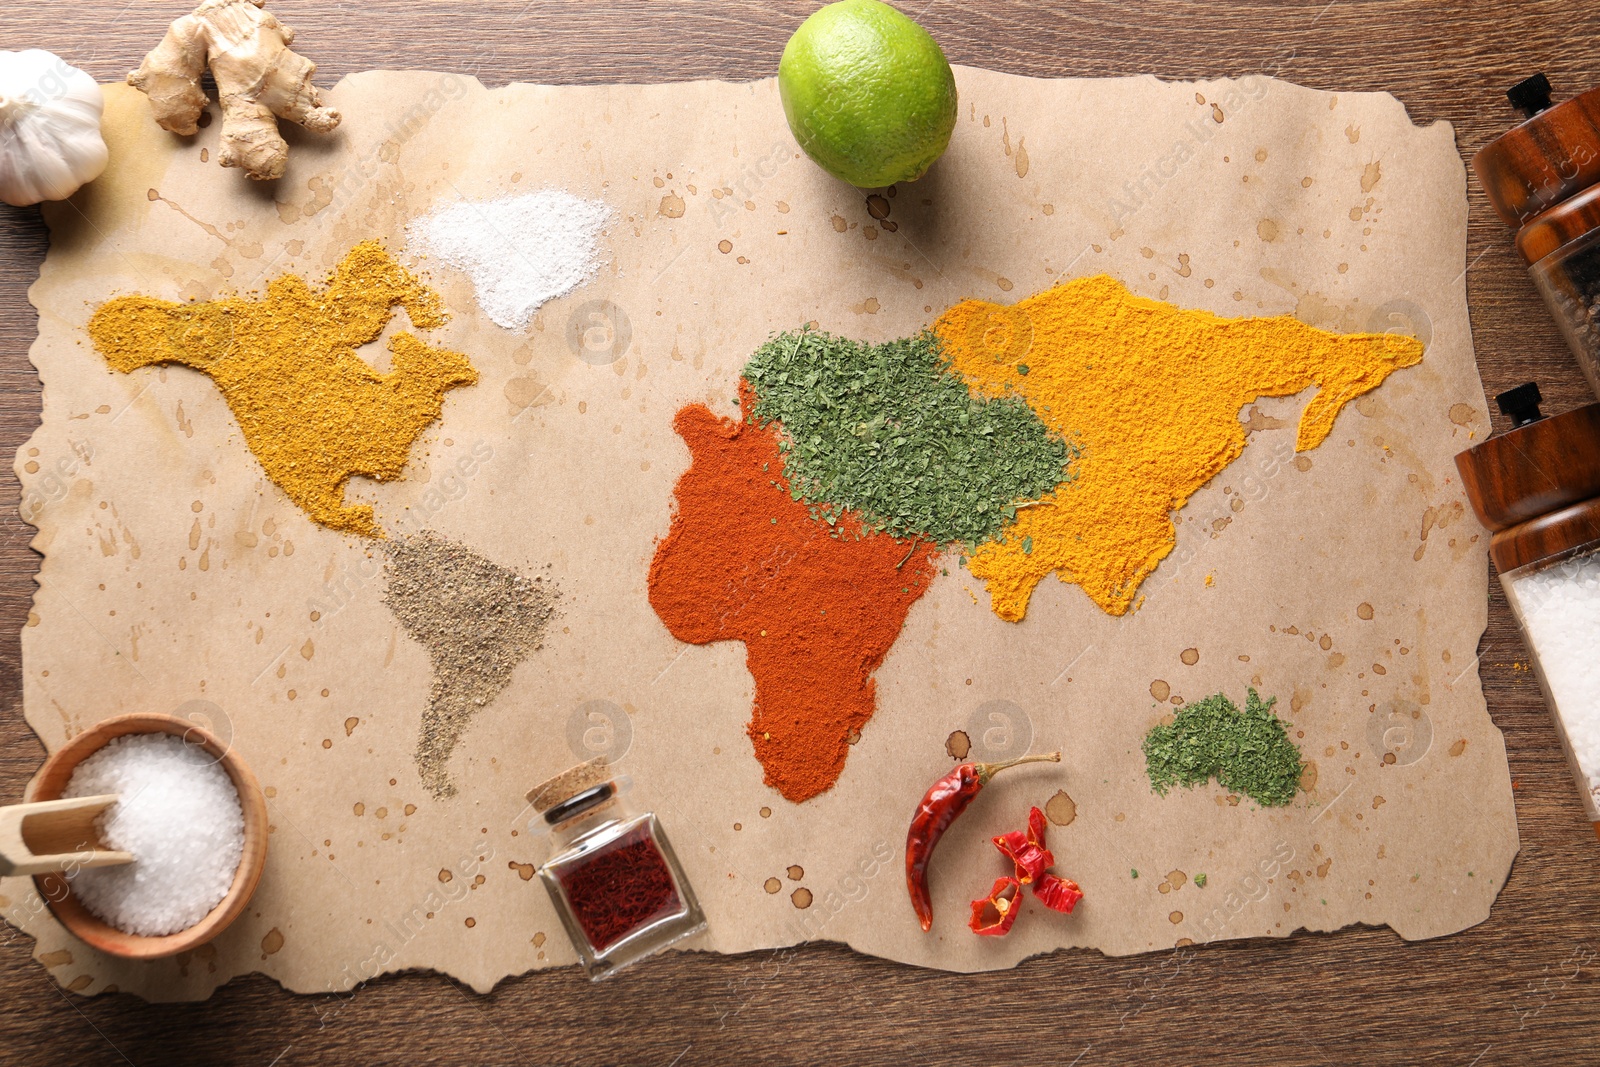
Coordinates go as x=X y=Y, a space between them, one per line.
x=56 y=890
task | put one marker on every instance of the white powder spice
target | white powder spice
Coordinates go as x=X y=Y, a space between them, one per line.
x=1560 y=609
x=519 y=251
x=179 y=815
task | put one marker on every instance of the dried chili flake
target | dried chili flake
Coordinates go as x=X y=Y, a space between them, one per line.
x=1026 y=850
x=1036 y=827
x=1029 y=858
x=993 y=915
x=1057 y=893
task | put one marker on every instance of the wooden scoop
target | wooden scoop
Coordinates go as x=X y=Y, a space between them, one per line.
x=55 y=835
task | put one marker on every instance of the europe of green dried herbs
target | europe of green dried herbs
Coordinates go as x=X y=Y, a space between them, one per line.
x=891 y=432
x=1246 y=751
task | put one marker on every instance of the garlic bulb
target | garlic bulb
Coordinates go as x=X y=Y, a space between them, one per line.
x=50 y=142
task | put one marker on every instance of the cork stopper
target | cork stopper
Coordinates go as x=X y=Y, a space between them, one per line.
x=569 y=783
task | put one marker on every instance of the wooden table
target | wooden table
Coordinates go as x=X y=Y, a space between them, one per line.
x=1522 y=988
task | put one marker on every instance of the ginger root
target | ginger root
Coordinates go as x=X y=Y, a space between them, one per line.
x=259 y=80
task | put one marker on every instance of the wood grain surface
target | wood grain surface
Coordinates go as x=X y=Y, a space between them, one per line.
x=1522 y=988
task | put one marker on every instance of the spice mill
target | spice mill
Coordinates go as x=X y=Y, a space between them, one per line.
x=1543 y=178
x=1537 y=487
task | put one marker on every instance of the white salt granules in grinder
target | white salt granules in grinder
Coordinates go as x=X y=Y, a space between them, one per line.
x=519 y=251
x=1560 y=609
x=179 y=817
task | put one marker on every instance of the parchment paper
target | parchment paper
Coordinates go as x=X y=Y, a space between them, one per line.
x=174 y=573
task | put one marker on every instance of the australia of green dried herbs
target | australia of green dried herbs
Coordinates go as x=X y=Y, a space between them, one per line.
x=1246 y=751
x=891 y=432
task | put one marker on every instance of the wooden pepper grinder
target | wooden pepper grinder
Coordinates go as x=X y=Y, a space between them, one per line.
x=1537 y=486
x=1543 y=178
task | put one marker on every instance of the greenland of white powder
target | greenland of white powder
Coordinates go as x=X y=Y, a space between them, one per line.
x=519 y=251
x=181 y=819
x=1560 y=609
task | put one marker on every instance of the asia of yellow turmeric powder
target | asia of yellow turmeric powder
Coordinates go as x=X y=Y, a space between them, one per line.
x=1152 y=394
x=312 y=411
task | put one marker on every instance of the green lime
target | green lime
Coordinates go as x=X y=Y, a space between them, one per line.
x=868 y=94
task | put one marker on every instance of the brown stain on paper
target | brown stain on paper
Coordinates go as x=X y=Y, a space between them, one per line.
x=958 y=745
x=1308 y=777
x=1061 y=809
x=1437 y=518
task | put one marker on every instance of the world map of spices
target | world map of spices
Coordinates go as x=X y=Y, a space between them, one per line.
x=809 y=528
x=1055 y=435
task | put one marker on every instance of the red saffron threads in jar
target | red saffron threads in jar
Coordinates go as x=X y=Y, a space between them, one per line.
x=619 y=889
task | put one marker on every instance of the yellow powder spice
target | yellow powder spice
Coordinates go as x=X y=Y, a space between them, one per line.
x=312 y=410
x=1152 y=394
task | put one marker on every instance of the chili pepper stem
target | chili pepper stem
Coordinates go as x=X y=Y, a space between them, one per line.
x=987 y=771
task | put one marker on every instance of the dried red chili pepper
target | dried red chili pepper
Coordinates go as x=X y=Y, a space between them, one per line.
x=945 y=799
x=1057 y=893
x=1005 y=901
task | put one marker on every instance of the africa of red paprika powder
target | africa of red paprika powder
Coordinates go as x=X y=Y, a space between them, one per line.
x=744 y=561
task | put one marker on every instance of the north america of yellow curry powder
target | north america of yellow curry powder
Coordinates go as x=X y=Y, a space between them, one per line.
x=312 y=411
x=1152 y=395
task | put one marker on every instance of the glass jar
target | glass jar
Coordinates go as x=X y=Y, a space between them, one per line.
x=1537 y=486
x=1564 y=258
x=612 y=875
x=1570 y=281
x=1557 y=604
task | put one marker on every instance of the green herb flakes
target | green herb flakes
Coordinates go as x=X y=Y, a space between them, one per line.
x=1200 y=881
x=1246 y=751
x=891 y=432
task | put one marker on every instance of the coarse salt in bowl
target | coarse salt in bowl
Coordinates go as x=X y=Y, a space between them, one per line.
x=180 y=818
x=166 y=850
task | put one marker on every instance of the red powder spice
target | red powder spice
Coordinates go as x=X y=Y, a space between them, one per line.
x=743 y=561
x=619 y=889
